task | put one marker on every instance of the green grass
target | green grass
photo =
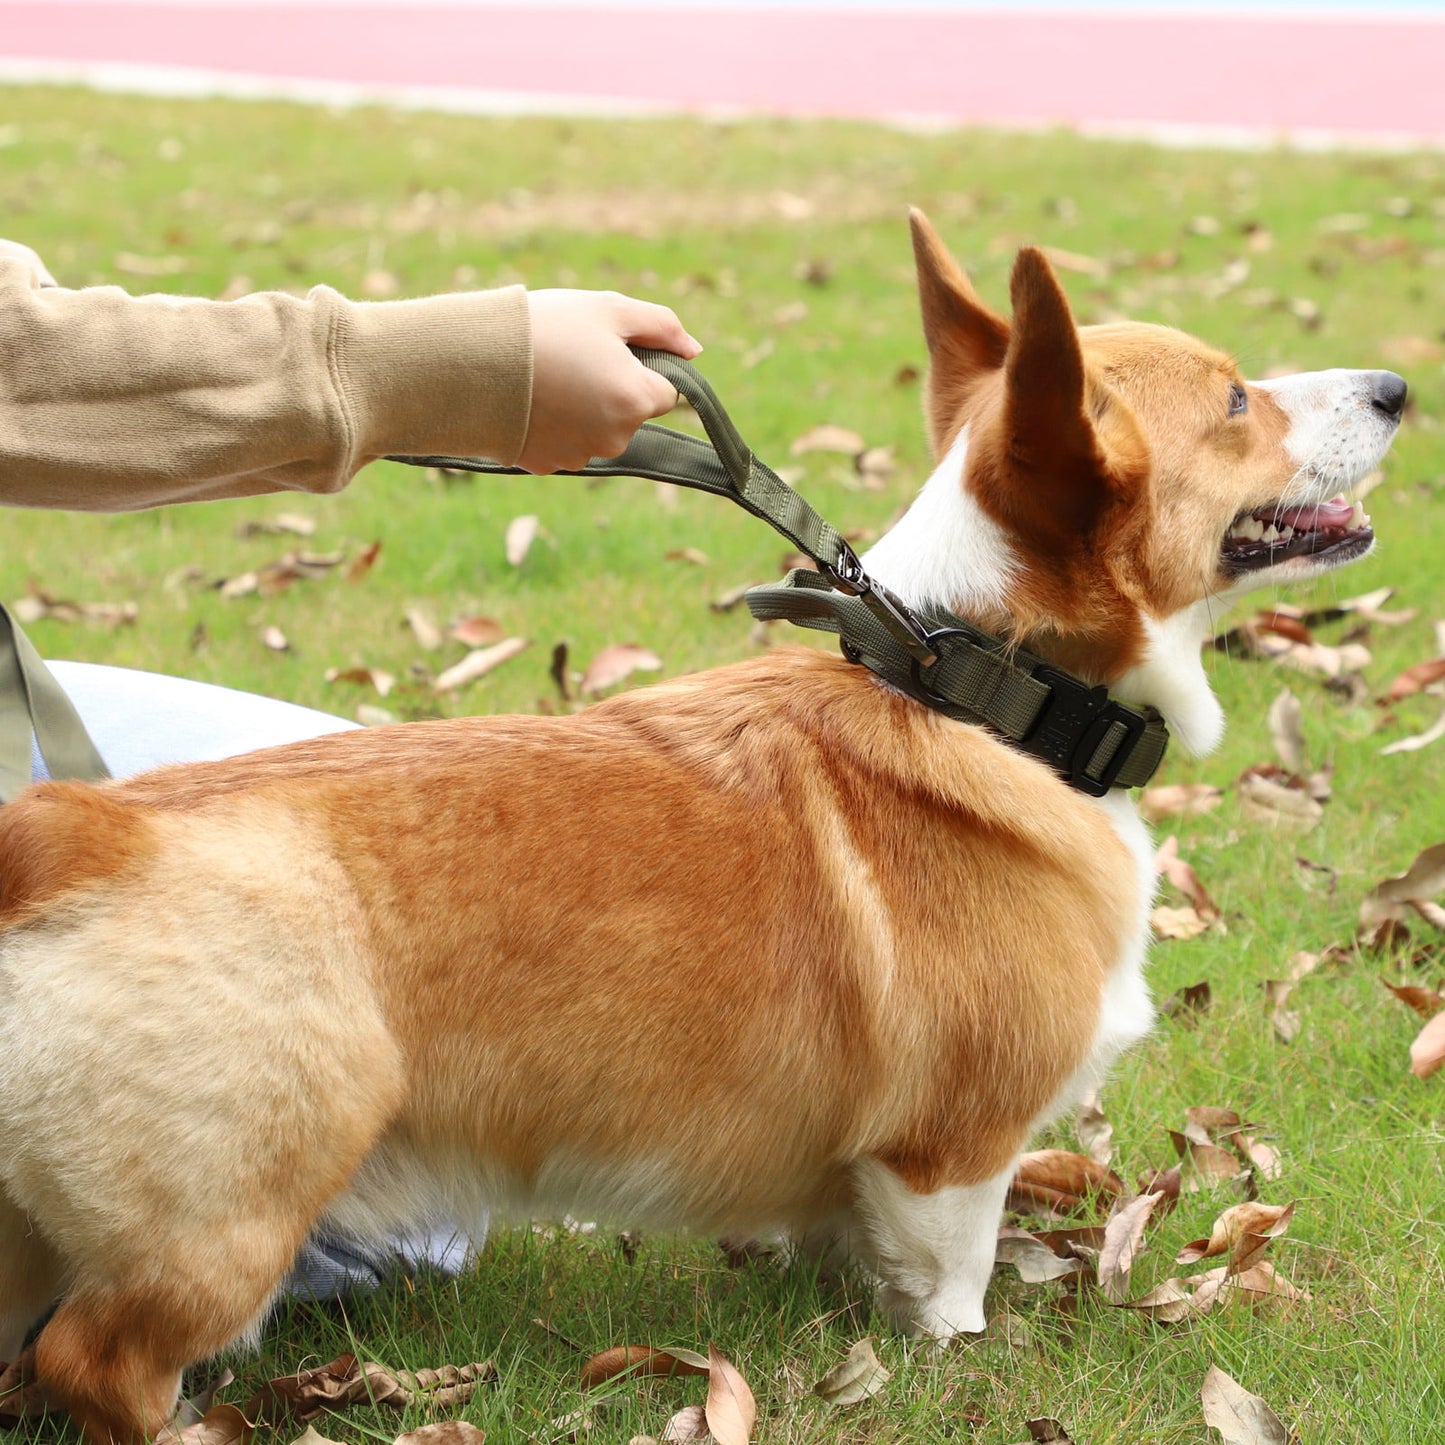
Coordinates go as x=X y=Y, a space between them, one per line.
x=732 y=224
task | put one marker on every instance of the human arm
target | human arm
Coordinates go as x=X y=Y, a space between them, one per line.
x=110 y=402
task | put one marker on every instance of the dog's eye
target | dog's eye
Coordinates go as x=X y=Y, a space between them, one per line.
x=1238 y=400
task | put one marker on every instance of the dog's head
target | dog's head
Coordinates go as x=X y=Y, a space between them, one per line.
x=1114 y=483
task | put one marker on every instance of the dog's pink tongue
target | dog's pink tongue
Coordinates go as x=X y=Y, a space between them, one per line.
x=1334 y=513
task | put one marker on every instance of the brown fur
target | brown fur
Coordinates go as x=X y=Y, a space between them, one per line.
x=702 y=949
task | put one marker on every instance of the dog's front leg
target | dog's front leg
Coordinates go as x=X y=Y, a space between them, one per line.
x=934 y=1251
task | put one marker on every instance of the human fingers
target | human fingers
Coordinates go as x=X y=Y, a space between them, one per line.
x=645 y=323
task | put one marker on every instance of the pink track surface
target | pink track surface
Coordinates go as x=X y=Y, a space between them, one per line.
x=1341 y=74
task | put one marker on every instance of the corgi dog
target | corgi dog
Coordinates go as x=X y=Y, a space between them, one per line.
x=767 y=948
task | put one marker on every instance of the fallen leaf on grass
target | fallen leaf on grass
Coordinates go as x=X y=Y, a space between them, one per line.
x=220 y=1425
x=858 y=1377
x=475 y=631
x=344 y=1381
x=693 y=555
x=38 y=604
x=1190 y=1296
x=1416 y=741
x=614 y=663
x=376 y=677
x=640 y=1360
x=521 y=533
x=296 y=523
x=1414 y=679
x=1035 y=1260
x=1286 y=730
x=1243 y=1233
x=731 y=1411
x=1182 y=875
x=1285 y=1021
x=478 y=664
x=1178 y=923
x=1094 y=1130
x=1045 y=1430
x=1427 y=1053
x=828 y=438
x=275 y=639
x=427 y=633
x=1205 y=1165
x=1426 y=1002
x=1060 y=1180
x=690 y=1423
x=1123 y=1243
x=1241 y=1418
x=276 y=576
x=1182 y=799
x=1385 y=907
x=1187 y=1003
x=363 y=561
x=1269 y=796
x=443 y=1432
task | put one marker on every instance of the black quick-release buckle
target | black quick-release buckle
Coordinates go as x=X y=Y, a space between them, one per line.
x=1072 y=724
x=846 y=575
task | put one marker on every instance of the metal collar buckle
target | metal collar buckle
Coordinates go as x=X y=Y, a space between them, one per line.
x=846 y=575
x=1073 y=723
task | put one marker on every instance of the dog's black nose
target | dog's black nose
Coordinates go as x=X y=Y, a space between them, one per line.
x=1388 y=392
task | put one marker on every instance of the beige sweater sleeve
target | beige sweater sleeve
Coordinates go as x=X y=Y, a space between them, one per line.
x=110 y=402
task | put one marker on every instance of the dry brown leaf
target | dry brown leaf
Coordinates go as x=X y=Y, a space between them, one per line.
x=475 y=631
x=1265 y=799
x=1241 y=1418
x=1416 y=741
x=1243 y=1233
x=312 y=1436
x=275 y=639
x=640 y=1360
x=1390 y=902
x=1123 y=1243
x=1045 y=1430
x=343 y=1381
x=731 y=1411
x=521 y=533
x=1184 y=799
x=730 y=599
x=220 y=1425
x=376 y=677
x=298 y=524
x=479 y=663
x=1426 y=1002
x=427 y=633
x=1427 y=1053
x=363 y=562
x=828 y=438
x=693 y=555
x=690 y=1423
x=1178 y=923
x=857 y=1377
x=443 y=1432
x=1182 y=875
x=1414 y=679
x=1035 y=1260
x=1058 y=1179
x=1187 y=1003
x=875 y=468
x=1286 y=729
x=1093 y=1129
x=38 y=604
x=614 y=663
x=1284 y=1021
x=1205 y=1165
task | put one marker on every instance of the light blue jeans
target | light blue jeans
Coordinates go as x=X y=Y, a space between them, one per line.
x=141 y=720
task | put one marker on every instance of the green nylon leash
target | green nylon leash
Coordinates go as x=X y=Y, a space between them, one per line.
x=34 y=706
x=1094 y=741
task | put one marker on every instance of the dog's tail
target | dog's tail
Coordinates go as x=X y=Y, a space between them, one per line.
x=57 y=837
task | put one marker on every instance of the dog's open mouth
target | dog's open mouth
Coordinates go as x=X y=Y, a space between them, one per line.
x=1334 y=531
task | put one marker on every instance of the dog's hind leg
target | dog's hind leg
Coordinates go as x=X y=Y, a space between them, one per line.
x=934 y=1251
x=29 y=1277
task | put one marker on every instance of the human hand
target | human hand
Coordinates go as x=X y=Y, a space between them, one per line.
x=589 y=392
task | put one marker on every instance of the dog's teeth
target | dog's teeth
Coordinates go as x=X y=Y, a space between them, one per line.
x=1270 y=534
x=1256 y=529
x=1285 y=533
x=1359 y=517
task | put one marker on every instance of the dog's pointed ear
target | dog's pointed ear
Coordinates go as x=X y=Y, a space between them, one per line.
x=965 y=339
x=1072 y=449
